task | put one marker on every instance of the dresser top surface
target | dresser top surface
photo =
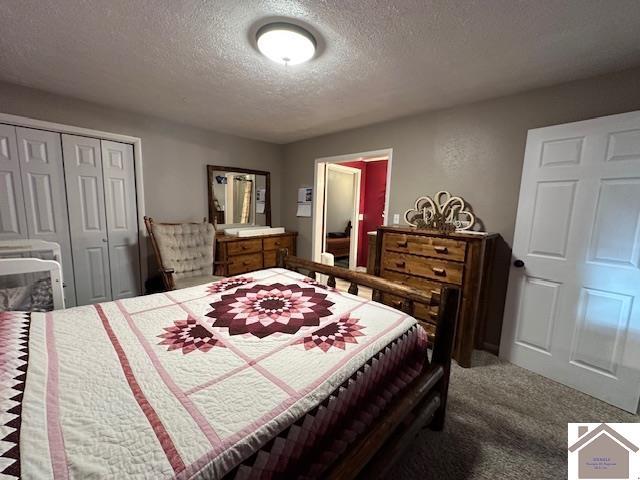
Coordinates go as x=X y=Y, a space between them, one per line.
x=435 y=233
x=221 y=237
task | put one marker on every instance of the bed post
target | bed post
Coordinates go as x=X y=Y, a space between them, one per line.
x=280 y=256
x=443 y=347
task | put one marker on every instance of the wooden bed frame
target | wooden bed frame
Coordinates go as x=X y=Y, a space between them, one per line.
x=423 y=402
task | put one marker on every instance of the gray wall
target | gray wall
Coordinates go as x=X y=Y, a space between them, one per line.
x=339 y=200
x=474 y=150
x=174 y=155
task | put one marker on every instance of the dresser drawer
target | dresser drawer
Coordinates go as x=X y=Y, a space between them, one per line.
x=430 y=328
x=436 y=247
x=276 y=243
x=245 y=263
x=270 y=258
x=420 y=310
x=426 y=316
x=418 y=283
x=442 y=271
x=244 y=246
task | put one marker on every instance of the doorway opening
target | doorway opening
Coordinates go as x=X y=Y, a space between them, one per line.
x=351 y=200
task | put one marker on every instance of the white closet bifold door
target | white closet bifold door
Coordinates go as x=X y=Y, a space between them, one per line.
x=87 y=219
x=122 y=218
x=44 y=195
x=13 y=223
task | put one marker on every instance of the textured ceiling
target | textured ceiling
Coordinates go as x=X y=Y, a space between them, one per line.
x=193 y=62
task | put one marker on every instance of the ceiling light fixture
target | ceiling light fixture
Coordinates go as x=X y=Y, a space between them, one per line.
x=286 y=43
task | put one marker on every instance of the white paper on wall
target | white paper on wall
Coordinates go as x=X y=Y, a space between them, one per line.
x=305 y=198
x=304 y=210
x=305 y=195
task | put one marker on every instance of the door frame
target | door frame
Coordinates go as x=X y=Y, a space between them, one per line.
x=319 y=186
x=19 y=121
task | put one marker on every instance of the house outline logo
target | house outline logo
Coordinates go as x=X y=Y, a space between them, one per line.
x=602 y=453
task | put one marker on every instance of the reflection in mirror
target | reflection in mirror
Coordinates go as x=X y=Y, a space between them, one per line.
x=238 y=197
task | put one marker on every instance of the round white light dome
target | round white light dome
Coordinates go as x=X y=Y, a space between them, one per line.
x=286 y=43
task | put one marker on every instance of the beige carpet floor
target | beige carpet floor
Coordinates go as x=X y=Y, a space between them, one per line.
x=503 y=422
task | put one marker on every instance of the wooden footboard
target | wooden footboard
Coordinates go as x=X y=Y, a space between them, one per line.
x=423 y=402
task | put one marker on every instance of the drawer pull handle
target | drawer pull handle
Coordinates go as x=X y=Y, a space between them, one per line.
x=435 y=298
x=246 y=264
x=277 y=244
x=441 y=249
x=400 y=264
x=439 y=271
x=403 y=244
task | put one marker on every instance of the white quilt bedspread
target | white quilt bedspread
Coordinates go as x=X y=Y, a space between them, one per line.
x=188 y=384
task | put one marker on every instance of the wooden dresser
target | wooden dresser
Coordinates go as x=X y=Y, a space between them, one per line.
x=426 y=260
x=251 y=253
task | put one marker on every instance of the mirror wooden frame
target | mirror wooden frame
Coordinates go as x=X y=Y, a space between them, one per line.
x=218 y=168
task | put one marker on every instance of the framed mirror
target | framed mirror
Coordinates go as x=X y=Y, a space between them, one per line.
x=238 y=196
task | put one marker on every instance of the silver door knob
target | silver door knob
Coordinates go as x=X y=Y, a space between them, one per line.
x=104 y=240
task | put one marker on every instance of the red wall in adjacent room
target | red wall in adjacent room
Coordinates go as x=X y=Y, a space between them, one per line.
x=373 y=182
x=375 y=192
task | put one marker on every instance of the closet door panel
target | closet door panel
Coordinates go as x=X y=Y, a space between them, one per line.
x=13 y=223
x=45 y=201
x=122 y=220
x=87 y=220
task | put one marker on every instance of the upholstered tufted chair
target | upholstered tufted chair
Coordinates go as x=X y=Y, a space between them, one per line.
x=184 y=251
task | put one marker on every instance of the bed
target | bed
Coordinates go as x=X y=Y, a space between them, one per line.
x=266 y=375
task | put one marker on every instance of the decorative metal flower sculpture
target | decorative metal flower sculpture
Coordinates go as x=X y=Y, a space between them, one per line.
x=443 y=212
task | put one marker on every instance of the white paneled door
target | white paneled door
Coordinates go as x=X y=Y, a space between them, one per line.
x=87 y=219
x=79 y=192
x=122 y=218
x=13 y=223
x=573 y=305
x=45 y=201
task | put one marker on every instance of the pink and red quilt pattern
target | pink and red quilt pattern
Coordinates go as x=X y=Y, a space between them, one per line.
x=250 y=376
x=336 y=334
x=306 y=448
x=14 y=356
x=262 y=310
